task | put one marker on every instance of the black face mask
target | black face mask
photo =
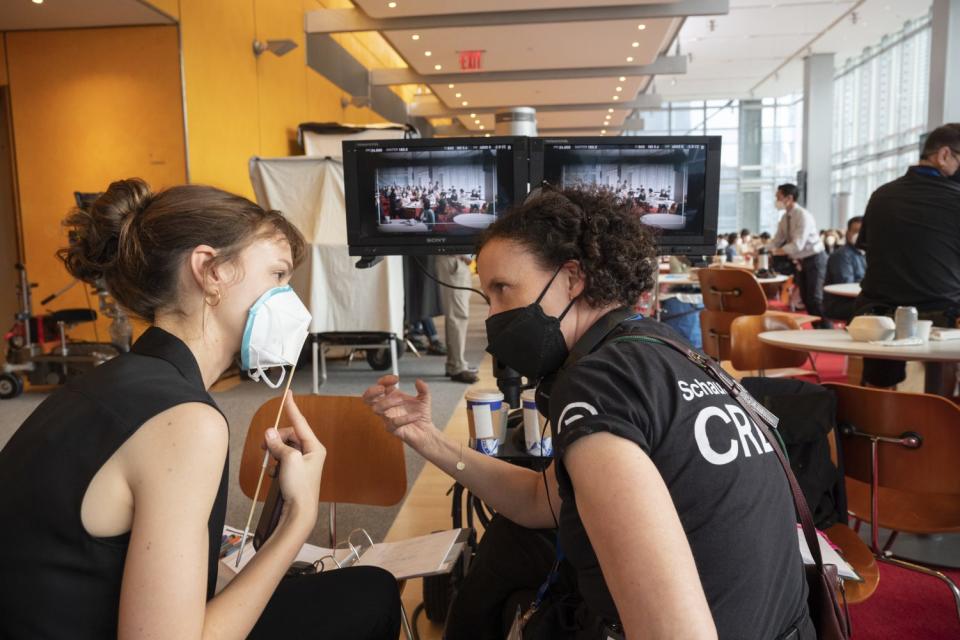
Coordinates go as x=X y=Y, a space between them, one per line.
x=528 y=340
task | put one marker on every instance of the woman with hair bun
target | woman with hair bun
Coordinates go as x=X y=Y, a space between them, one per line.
x=115 y=487
x=673 y=517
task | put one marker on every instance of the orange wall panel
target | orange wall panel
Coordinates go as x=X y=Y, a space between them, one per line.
x=89 y=106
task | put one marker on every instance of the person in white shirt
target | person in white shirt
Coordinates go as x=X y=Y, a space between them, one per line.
x=797 y=238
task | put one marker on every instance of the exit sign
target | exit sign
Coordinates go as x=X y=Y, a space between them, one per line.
x=471 y=60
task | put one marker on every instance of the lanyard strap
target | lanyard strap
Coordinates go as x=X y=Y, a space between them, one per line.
x=764 y=421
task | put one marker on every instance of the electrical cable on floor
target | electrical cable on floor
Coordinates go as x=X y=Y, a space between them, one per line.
x=446 y=284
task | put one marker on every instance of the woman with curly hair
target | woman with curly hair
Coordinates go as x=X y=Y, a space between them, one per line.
x=673 y=519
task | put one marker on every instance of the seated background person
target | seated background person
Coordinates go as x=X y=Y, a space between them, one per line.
x=670 y=530
x=911 y=236
x=846 y=265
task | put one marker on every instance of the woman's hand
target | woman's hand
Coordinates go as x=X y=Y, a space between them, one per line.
x=301 y=456
x=405 y=416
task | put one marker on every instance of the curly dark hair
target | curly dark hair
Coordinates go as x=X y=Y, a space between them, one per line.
x=616 y=251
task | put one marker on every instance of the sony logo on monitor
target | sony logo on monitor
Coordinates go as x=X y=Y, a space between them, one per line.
x=435 y=240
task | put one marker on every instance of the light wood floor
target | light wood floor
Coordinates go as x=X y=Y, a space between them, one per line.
x=427 y=507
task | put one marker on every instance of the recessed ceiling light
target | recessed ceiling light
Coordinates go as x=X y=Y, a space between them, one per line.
x=616 y=97
x=459 y=95
x=623 y=78
x=482 y=127
x=476 y=122
x=37 y=1
x=415 y=36
x=486 y=135
x=603 y=132
x=634 y=44
x=673 y=82
x=428 y=53
x=629 y=58
x=473 y=115
x=438 y=67
x=610 y=110
x=465 y=103
x=619 y=89
x=450 y=86
x=392 y=5
x=641 y=26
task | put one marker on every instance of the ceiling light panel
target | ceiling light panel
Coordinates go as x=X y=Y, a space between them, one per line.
x=379 y=9
x=573 y=91
x=545 y=46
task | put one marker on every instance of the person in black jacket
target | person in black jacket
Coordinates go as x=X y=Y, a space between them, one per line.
x=846 y=265
x=911 y=235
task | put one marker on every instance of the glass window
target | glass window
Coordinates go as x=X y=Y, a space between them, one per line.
x=880 y=107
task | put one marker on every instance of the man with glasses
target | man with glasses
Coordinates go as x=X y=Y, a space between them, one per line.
x=911 y=235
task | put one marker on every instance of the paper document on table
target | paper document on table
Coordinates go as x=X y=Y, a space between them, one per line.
x=944 y=334
x=308 y=553
x=829 y=555
x=414 y=557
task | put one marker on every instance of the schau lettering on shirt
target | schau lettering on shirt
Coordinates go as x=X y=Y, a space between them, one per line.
x=730 y=420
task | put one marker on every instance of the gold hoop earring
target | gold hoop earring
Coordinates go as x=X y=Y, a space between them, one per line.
x=206 y=299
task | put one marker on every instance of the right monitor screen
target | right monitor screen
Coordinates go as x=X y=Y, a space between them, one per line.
x=664 y=183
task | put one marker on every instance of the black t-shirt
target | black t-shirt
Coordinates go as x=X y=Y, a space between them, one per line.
x=911 y=233
x=727 y=485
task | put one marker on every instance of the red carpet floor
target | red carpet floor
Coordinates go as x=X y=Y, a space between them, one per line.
x=907 y=605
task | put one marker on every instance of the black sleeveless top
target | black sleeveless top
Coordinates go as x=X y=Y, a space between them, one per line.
x=56 y=580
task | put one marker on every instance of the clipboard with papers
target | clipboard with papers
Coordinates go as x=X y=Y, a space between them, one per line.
x=830 y=556
x=417 y=557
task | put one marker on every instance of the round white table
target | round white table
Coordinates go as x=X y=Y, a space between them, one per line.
x=475 y=220
x=677 y=279
x=934 y=354
x=664 y=220
x=845 y=290
x=403 y=226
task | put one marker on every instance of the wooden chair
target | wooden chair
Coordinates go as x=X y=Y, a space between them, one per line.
x=732 y=290
x=748 y=353
x=900 y=460
x=715 y=332
x=365 y=464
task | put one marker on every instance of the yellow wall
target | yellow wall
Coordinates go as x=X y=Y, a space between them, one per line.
x=240 y=105
x=88 y=106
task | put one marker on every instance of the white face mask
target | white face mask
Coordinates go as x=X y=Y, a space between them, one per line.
x=277 y=327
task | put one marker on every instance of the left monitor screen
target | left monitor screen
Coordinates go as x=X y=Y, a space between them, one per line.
x=454 y=190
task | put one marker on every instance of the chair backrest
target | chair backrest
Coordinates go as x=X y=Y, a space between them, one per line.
x=365 y=464
x=732 y=290
x=715 y=332
x=929 y=469
x=747 y=353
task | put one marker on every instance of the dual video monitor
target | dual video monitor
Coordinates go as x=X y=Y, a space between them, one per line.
x=436 y=196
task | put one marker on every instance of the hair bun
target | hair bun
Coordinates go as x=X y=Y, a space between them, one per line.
x=96 y=234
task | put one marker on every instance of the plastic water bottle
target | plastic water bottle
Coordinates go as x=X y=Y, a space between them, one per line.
x=906 y=319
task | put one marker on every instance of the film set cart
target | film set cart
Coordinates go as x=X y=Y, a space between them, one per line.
x=28 y=355
x=439 y=591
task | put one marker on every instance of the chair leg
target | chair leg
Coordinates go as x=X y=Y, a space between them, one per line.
x=813 y=364
x=890 y=541
x=930 y=572
x=405 y=622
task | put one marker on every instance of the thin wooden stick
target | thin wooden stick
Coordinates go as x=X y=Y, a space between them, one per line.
x=263 y=470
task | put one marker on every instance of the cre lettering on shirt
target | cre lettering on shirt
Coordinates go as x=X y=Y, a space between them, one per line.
x=745 y=437
x=699 y=389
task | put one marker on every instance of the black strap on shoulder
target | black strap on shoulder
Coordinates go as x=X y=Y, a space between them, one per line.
x=760 y=415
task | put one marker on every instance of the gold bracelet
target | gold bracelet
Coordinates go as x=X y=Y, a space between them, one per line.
x=460 y=464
